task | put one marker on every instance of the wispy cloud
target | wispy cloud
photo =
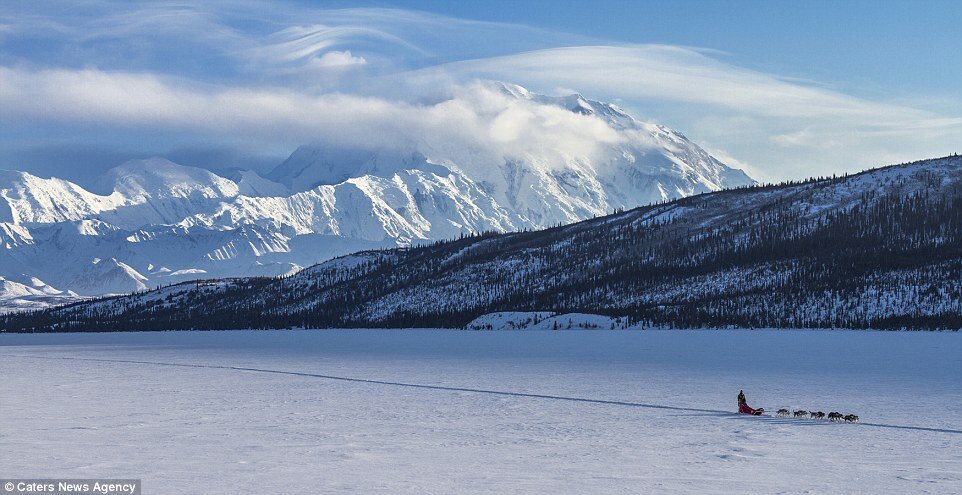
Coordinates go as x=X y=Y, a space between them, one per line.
x=305 y=42
x=674 y=73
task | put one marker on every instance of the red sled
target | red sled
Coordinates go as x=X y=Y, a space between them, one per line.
x=744 y=409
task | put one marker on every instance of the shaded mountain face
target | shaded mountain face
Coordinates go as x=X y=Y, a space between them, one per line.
x=154 y=222
x=880 y=249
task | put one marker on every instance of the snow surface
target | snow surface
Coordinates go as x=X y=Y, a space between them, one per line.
x=331 y=411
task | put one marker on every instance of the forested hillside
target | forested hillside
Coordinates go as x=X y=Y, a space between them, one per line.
x=880 y=249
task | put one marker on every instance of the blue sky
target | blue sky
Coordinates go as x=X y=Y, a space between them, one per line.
x=874 y=47
x=782 y=89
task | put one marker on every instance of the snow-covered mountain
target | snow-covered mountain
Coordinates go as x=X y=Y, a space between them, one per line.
x=879 y=249
x=154 y=222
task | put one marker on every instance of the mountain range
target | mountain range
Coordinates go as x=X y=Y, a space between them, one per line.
x=880 y=249
x=149 y=223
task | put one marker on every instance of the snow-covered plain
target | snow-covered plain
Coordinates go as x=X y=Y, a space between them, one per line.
x=75 y=405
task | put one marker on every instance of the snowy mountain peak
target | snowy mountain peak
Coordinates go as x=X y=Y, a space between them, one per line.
x=26 y=198
x=250 y=183
x=512 y=90
x=158 y=177
x=311 y=166
x=574 y=102
x=108 y=276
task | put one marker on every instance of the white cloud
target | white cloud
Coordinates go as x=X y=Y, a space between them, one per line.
x=336 y=59
x=804 y=137
x=477 y=124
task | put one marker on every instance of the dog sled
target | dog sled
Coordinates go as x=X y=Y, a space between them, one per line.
x=744 y=408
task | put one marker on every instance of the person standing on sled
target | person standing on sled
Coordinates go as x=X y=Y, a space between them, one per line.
x=744 y=408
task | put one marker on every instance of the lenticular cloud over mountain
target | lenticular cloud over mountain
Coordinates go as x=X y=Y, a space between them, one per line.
x=492 y=157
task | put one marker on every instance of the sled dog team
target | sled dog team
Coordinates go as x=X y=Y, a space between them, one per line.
x=832 y=416
x=837 y=417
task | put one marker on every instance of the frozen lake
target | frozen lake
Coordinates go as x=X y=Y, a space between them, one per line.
x=490 y=412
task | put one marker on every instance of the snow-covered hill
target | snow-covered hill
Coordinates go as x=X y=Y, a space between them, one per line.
x=154 y=222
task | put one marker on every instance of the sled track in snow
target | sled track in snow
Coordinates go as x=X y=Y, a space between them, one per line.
x=455 y=389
